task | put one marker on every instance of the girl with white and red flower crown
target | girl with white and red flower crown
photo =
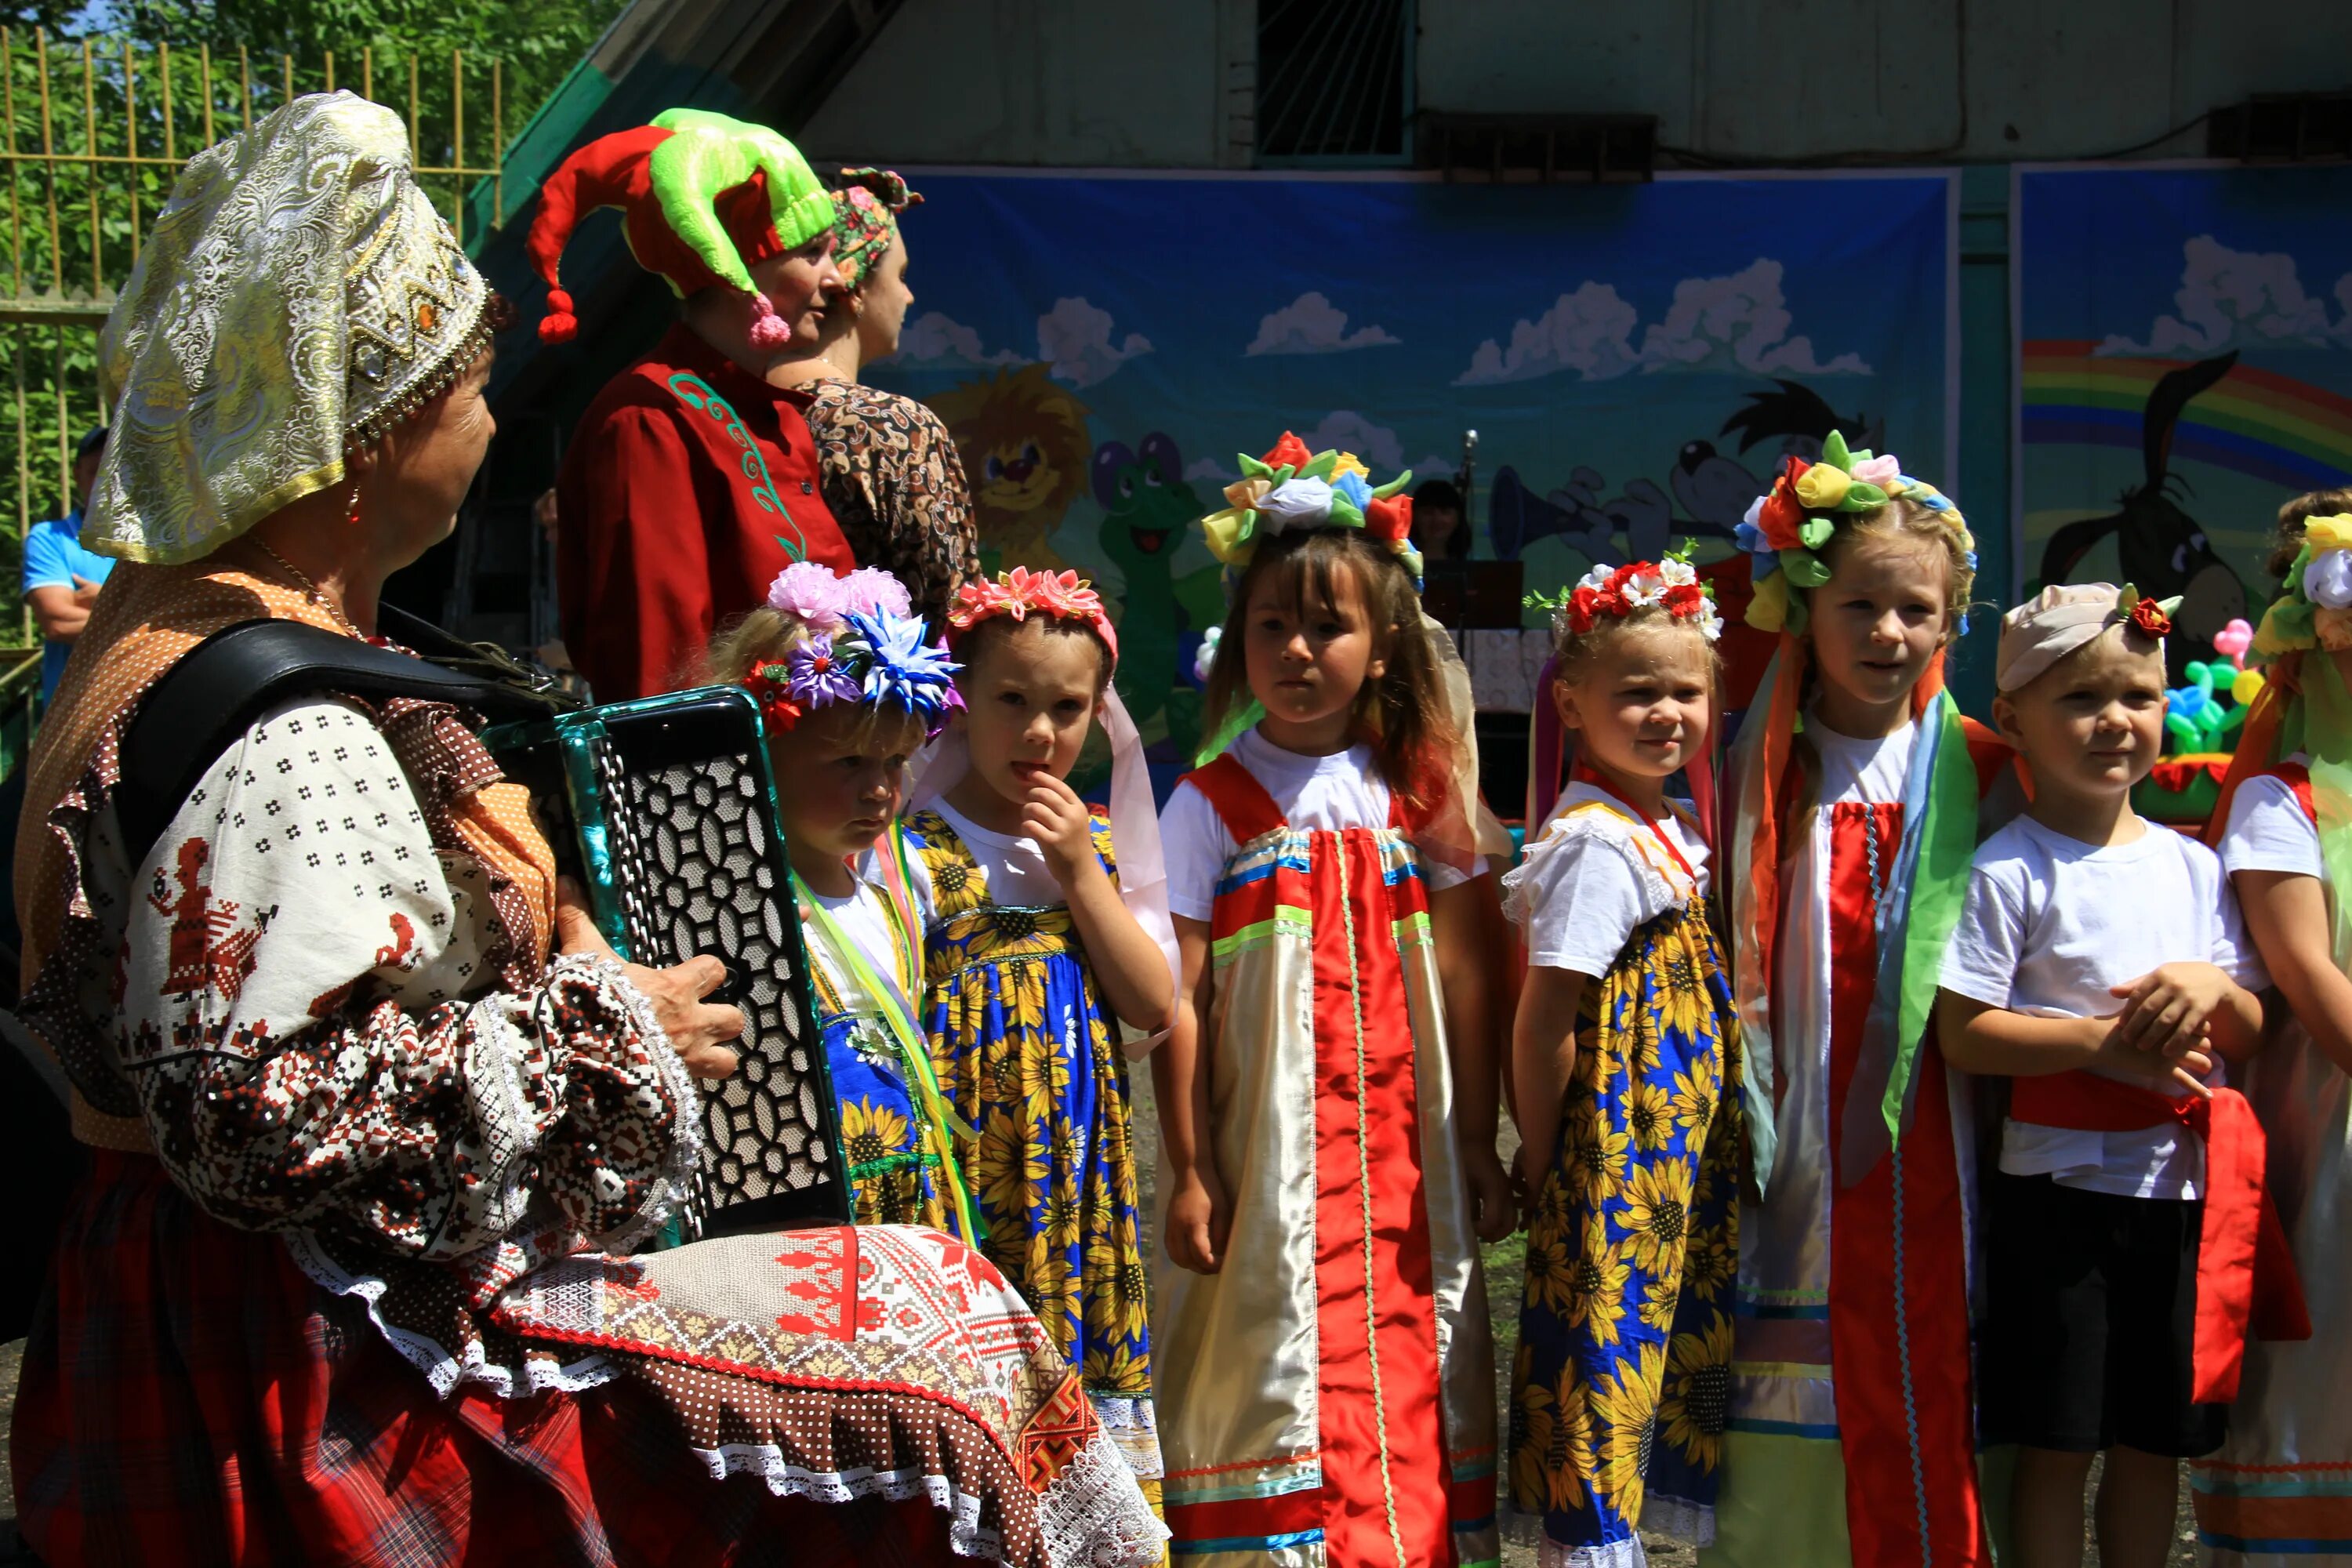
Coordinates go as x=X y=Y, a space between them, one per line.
x=1625 y=1066
x=1328 y=1099
x=849 y=692
x=1046 y=927
x=1851 y=1434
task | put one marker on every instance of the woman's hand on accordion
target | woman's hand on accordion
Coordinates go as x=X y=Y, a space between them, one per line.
x=698 y=1030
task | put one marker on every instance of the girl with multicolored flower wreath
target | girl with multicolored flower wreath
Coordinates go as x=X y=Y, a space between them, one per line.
x=1047 y=928
x=1851 y=1434
x=849 y=692
x=1328 y=1099
x=1625 y=1064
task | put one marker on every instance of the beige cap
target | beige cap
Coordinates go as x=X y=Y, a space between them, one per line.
x=2065 y=616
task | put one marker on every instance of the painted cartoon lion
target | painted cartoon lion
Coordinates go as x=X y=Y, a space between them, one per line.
x=1025 y=450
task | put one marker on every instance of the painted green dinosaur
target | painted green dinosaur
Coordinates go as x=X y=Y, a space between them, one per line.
x=1147 y=505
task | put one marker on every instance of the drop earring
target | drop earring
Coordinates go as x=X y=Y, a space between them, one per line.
x=352 y=514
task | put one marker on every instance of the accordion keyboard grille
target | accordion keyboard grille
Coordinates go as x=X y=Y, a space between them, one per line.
x=696 y=874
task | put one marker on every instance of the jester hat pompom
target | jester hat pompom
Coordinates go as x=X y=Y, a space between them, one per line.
x=704 y=199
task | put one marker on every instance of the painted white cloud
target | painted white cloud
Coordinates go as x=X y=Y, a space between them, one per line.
x=1074 y=338
x=1211 y=469
x=936 y=339
x=1350 y=432
x=1589 y=331
x=1738 y=323
x=2241 y=299
x=1312 y=324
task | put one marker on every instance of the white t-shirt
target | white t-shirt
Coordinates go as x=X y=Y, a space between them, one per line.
x=2049 y=925
x=1595 y=874
x=1327 y=793
x=2268 y=830
x=1013 y=868
x=865 y=919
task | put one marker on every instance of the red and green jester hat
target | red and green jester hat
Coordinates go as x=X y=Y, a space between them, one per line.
x=690 y=481
x=704 y=199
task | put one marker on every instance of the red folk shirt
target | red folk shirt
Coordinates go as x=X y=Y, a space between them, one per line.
x=688 y=485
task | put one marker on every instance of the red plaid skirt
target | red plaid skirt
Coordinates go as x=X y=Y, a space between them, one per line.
x=189 y=1397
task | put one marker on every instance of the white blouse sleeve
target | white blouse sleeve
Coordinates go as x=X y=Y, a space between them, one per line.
x=1193 y=838
x=1582 y=890
x=2268 y=831
x=317 y=1043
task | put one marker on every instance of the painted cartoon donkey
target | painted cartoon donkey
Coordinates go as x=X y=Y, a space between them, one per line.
x=2159 y=548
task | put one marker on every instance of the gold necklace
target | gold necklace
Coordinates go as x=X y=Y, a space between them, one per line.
x=317 y=596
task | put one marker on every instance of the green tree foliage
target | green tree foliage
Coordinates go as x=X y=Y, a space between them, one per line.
x=70 y=231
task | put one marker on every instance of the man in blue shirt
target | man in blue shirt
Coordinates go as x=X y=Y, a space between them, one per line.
x=61 y=578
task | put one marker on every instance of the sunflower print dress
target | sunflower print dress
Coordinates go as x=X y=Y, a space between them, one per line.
x=1027 y=1053
x=1623 y=1378
x=885 y=1140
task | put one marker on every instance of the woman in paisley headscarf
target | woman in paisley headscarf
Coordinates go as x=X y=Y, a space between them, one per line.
x=885 y=464
x=374 y=1112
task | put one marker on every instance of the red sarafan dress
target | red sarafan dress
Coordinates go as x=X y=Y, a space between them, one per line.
x=1852 y=1436
x=1327 y=1397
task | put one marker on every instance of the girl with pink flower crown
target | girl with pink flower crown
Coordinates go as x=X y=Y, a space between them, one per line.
x=849 y=692
x=1045 y=929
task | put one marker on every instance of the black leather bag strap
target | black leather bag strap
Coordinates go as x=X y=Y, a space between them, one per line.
x=220 y=686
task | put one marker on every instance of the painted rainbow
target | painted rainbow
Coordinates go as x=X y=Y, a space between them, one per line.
x=2256 y=422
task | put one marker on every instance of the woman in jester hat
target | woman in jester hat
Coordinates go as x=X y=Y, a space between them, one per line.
x=691 y=480
x=1328 y=1099
x=376 y=1123
x=1851 y=1429
x=2275 y=1494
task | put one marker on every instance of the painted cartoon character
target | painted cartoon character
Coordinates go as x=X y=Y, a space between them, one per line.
x=1024 y=442
x=1147 y=504
x=1798 y=420
x=1710 y=489
x=2159 y=548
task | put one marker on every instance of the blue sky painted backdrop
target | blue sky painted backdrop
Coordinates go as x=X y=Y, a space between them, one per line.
x=1599 y=340
x=2213 y=304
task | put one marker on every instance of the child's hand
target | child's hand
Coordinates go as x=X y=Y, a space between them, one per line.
x=1056 y=820
x=2184 y=1069
x=1198 y=1220
x=1494 y=1205
x=2167 y=1010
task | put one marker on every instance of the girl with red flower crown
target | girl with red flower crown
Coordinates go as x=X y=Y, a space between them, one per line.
x=1329 y=1098
x=1626 y=1065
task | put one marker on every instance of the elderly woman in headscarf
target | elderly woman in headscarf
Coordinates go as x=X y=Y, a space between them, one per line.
x=885 y=464
x=373 y=1113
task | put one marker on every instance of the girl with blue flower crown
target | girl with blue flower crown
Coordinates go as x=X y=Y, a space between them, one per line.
x=849 y=690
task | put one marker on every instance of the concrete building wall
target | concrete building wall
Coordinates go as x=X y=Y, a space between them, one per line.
x=1056 y=82
x=1171 y=83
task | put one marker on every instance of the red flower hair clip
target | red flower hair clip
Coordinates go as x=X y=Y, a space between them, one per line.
x=2147 y=618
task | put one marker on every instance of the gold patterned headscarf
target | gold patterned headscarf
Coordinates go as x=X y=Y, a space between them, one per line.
x=300 y=298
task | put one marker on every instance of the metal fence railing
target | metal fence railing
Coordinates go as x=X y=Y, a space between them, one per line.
x=92 y=133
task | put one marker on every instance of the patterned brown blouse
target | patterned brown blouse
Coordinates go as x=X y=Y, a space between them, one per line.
x=889 y=472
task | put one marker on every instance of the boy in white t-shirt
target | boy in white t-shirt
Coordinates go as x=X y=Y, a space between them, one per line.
x=2099 y=963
